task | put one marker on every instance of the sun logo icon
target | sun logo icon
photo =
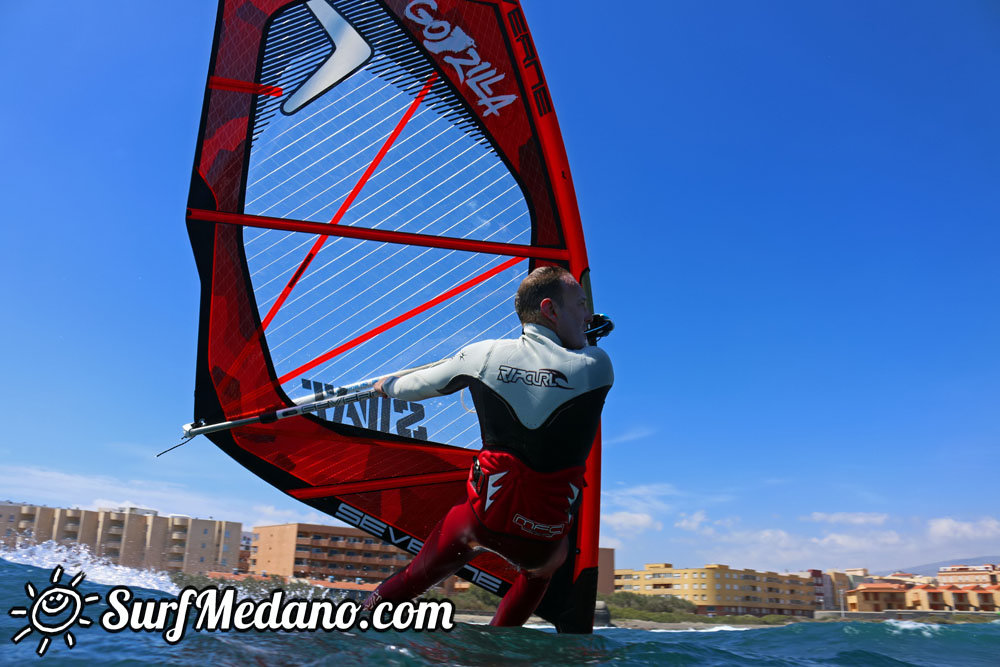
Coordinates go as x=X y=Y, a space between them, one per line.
x=54 y=611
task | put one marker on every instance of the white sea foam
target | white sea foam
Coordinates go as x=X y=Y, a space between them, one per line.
x=78 y=558
x=925 y=629
x=718 y=628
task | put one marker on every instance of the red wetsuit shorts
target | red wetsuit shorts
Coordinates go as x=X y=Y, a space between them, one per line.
x=509 y=497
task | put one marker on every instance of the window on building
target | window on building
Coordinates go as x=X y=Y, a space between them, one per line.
x=205 y=532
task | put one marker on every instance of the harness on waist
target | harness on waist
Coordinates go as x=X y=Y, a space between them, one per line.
x=509 y=497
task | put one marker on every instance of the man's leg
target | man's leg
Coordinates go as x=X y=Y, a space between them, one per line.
x=529 y=588
x=521 y=600
x=449 y=546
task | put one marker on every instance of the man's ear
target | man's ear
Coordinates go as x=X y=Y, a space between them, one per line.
x=548 y=309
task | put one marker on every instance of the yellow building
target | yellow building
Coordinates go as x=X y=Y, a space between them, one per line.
x=961 y=575
x=129 y=536
x=721 y=590
x=923 y=597
x=878 y=596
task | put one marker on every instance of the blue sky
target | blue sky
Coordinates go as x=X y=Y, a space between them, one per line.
x=791 y=210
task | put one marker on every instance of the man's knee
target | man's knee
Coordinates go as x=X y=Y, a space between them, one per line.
x=545 y=563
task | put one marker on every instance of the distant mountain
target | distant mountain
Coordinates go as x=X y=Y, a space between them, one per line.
x=931 y=569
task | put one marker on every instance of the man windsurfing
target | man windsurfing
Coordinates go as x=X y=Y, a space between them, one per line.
x=539 y=400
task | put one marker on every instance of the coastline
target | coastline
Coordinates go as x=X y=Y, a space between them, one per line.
x=637 y=624
x=483 y=618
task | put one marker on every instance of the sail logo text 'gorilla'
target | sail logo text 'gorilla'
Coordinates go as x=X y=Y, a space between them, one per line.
x=441 y=37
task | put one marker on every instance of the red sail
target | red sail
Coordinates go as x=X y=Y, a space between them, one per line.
x=372 y=181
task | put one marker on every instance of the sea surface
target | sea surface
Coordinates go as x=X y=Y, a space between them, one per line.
x=891 y=643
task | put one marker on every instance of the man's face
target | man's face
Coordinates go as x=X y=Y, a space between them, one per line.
x=572 y=315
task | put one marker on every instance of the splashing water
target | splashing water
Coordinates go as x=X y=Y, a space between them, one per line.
x=78 y=558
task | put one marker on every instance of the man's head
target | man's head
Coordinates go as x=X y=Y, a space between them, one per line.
x=550 y=296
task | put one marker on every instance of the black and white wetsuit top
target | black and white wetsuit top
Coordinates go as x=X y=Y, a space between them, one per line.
x=535 y=398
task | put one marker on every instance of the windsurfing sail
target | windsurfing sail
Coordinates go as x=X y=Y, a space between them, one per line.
x=373 y=178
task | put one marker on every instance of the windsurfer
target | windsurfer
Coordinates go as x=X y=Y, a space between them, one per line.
x=539 y=400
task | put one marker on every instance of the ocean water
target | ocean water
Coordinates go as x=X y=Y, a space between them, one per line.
x=890 y=643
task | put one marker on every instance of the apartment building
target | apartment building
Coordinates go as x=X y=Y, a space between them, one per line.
x=959 y=575
x=333 y=553
x=129 y=536
x=877 y=596
x=835 y=587
x=720 y=590
x=881 y=596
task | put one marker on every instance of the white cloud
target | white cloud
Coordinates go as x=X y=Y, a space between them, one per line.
x=642 y=498
x=611 y=543
x=694 y=523
x=52 y=487
x=846 y=543
x=853 y=518
x=637 y=433
x=947 y=529
x=630 y=522
x=269 y=515
x=856 y=545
